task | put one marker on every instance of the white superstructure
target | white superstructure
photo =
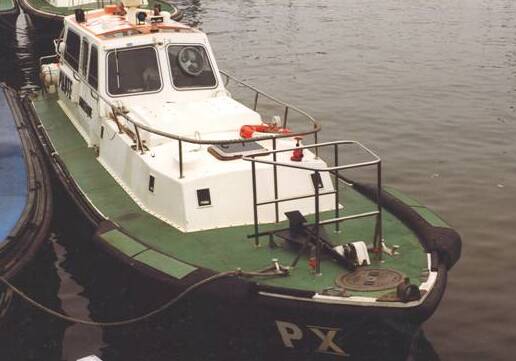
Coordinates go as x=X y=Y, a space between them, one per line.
x=118 y=70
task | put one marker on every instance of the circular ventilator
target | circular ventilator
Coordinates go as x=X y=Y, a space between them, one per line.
x=376 y=279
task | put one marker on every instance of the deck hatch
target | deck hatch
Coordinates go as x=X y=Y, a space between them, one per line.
x=367 y=279
x=236 y=150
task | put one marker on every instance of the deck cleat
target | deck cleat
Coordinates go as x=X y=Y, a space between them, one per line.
x=391 y=251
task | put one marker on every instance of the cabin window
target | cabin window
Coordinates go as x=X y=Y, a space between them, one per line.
x=190 y=67
x=152 y=181
x=317 y=180
x=84 y=56
x=203 y=197
x=72 y=49
x=94 y=67
x=133 y=71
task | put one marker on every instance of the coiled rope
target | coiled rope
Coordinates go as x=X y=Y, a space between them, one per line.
x=62 y=316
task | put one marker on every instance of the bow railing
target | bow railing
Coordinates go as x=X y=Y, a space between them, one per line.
x=270 y=158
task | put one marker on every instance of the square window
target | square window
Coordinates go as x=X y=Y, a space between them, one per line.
x=151 y=183
x=316 y=180
x=203 y=197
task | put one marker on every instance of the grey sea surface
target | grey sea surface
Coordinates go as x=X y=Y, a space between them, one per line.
x=428 y=85
x=431 y=87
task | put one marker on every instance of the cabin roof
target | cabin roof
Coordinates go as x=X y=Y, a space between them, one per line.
x=105 y=25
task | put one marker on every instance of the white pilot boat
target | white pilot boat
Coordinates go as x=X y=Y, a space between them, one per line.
x=183 y=182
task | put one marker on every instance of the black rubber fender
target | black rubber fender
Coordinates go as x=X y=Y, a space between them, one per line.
x=445 y=241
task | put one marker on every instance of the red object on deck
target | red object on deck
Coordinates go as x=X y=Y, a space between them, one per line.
x=247 y=131
x=312 y=262
x=297 y=154
x=110 y=9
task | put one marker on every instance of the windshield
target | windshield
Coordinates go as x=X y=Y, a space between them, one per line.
x=190 y=67
x=133 y=71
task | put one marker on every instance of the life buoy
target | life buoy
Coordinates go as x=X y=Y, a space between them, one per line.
x=247 y=131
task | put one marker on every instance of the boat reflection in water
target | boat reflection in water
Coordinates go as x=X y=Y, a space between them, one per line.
x=26 y=52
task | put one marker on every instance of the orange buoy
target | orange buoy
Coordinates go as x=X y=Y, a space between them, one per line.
x=247 y=131
x=110 y=9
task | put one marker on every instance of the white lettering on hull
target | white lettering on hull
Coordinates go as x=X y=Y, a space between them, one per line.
x=290 y=332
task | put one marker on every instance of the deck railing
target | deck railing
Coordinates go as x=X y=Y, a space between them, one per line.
x=316 y=175
x=117 y=111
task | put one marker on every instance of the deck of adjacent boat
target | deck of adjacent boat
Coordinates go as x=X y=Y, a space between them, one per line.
x=46 y=7
x=8 y=14
x=165 y=248
x=7 y=5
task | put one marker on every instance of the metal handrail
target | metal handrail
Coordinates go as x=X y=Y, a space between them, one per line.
x=45 y=58
x=316 y=125
x=274 y=99
x=376 y=159
x=138 y=125
x=378 y=234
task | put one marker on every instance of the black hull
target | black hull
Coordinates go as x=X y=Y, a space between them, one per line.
x=236 y=316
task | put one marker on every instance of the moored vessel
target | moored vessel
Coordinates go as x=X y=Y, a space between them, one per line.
x=25 y=192
x=186 y=181
x=47 y=15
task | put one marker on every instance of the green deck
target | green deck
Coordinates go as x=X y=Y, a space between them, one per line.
x=43 y=5
x=6 y=5
x=219 y=249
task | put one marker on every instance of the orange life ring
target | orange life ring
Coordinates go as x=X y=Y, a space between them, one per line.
x=247 y=131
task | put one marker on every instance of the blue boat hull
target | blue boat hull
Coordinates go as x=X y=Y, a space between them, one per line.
x=25 y=192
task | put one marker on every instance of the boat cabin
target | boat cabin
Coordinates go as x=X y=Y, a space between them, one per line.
x=146 y=93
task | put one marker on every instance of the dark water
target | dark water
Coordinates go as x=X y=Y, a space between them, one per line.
x=429 y=85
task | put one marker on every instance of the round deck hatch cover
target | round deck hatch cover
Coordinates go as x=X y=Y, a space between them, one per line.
x=369 y=279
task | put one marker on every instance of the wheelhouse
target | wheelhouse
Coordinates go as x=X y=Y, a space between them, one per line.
x=167 y=60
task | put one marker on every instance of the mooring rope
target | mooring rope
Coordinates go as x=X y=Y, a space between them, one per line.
x=238 y=272
x=123 y=322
